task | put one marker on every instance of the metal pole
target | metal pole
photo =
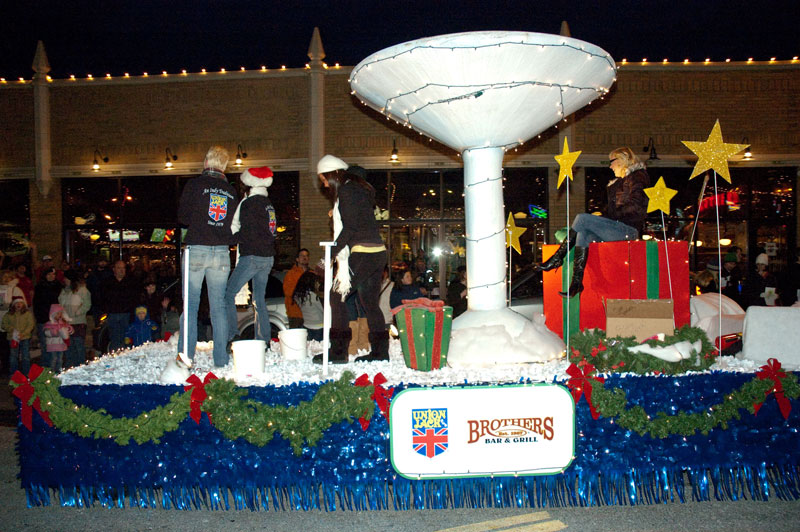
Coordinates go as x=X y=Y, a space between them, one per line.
x=326 y=312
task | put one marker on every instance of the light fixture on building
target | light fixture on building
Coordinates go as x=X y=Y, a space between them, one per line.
x=651 y=147
x=97 y=158
x=394 y=158
x=240 y=154
x=169 y=158
x=747 y=153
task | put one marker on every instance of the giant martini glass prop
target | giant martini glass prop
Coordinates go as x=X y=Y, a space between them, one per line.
x=482 y=93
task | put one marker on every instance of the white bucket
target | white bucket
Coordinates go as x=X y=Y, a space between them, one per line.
x=294 y=344
x=249 y=357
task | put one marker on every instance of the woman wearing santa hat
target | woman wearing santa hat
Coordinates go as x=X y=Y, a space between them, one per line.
x=254 y=227
x=360 y=257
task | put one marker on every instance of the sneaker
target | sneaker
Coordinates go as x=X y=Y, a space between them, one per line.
x=183 y=361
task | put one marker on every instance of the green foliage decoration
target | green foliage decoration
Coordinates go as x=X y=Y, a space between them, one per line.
x=230 y=411
x=612 y=355
x=612 y=403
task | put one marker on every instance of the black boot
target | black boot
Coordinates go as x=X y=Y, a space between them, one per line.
x=558 y=257
x=337 y=353
x=379 y=344
x=579 y=264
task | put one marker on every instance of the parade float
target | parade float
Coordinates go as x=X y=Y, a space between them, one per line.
x=598 y=419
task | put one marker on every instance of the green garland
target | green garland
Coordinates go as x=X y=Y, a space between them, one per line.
x=613 y=404
x=611 y=354
x=335 y=401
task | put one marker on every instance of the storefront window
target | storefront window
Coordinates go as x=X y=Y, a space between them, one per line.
x=14 y=220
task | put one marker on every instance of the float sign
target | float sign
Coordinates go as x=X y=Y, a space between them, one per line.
x=482 y=431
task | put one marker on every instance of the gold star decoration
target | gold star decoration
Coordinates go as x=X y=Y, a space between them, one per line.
x=565 y=162
x=659 y=196
x=713 y=153
x=513 y=233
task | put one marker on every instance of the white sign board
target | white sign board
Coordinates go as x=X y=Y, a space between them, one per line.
x=482 y=431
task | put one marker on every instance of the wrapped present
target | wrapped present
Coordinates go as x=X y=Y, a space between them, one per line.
x=638 y=269
x=424 y=327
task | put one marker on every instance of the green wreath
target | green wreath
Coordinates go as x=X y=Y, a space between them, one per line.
x=611 y=354
x=231 y=413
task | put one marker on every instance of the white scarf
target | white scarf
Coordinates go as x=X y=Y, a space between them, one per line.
x=341 y=283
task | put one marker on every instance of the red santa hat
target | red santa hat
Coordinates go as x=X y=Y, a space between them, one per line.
x=20 y=299
x=257 y=177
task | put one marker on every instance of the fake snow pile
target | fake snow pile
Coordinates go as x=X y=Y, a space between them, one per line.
x=144 y=365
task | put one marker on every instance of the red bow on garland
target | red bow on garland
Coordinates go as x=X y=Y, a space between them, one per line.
x=580 y=384
x=199 y=395
x=772 y=370
x=380 y=395
x=25 y=391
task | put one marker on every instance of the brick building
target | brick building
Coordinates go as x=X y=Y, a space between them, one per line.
x=54 y=129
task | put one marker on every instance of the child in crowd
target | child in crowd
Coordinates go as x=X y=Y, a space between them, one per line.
x=56 y=336
x=18 y=323
x=141 y=330
x=307 y=298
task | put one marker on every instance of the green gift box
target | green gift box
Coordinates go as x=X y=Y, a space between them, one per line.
x=424 y=327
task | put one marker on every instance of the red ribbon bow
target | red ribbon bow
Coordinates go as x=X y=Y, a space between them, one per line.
x=380 y=395
x=772 y=370
x=199 y=395
x=580 y=384
x=24 y=392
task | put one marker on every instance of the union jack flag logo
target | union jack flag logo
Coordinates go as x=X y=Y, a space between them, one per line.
x=429 y=431
x=217 y=207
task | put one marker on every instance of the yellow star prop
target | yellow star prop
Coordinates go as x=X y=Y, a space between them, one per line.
x=513 y=233
x=713 y=153
x=565 y=162
x=659 y=196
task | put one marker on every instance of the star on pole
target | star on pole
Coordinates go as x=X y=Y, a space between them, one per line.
x=713 y=153
x=659 y=196
x=513 y=233
x=565 y=162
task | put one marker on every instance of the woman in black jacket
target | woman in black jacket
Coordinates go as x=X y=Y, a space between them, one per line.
x=623 y=218
x=360 y=256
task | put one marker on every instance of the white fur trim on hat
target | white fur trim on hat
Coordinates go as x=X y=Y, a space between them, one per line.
x=257 y=177
x=329 y=163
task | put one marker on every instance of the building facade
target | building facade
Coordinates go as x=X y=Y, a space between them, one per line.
x=56 y=129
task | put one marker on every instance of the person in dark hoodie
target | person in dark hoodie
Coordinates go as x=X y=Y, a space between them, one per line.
x=44 y=296
x=623 y=218
x=254 y=228
x=206 y=207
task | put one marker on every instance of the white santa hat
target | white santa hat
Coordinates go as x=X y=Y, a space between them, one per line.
x=762 y=259
x=257 y=177
x=329 y=163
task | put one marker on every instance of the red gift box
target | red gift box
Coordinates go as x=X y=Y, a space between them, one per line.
x=636 y=269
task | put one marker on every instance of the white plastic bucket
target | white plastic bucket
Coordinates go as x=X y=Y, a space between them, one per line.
x=294 y=344
x=249 y=357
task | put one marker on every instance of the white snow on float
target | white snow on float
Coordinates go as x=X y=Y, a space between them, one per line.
x=145 y=364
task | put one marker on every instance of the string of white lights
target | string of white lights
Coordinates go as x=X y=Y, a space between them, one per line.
x=491 y=45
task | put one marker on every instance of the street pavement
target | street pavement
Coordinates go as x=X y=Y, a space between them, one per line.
x=772 y=516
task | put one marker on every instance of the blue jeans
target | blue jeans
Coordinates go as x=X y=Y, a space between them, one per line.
x=255 y=268
x=44 y=359
x=117 y=325
x=592 y=228
x=76 y=352
x=212 y=263
x=20 y=357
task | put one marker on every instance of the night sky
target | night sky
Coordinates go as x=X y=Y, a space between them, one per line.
x=116 y=36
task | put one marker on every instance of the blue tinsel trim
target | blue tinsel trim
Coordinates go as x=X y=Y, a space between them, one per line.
x=195 y=467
